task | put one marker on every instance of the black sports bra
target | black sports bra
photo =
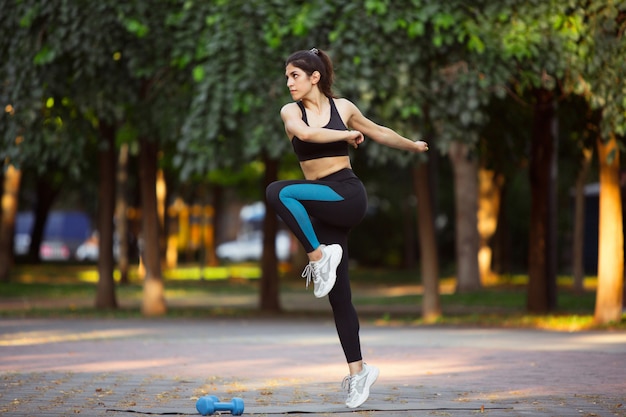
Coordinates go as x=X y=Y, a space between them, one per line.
x=309 y=150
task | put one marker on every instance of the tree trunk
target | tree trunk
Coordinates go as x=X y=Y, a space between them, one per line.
x=153 y=289
x=218 y=210
x=578 y=265
x=552 y=223
x=105 y=295
x=208 y=236
x=121 y=207
x=610 y=236
x=466 y=207
x=408 y=215
x=431 y=307
x=540 y=297
x=8 y=212
x=269 y=291
x=501 y=263
x=490 y=186
x=46 y=194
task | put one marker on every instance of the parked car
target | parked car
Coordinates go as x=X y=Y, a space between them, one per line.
x=63 y=233
x=89 y=250
x=249 y=247
x=249 y=243
x=54 y=250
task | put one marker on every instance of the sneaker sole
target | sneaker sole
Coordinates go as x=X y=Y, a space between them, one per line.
x=332 y=279
x=372 y=376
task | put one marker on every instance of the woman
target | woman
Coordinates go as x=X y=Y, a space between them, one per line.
x=331 y=199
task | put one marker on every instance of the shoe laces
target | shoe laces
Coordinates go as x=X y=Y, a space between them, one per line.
x=348 y=384
x=310 y=273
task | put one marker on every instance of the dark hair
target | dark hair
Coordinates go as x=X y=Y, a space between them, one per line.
x=313 y=60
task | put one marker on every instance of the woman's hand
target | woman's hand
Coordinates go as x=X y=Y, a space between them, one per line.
x=355 y=138
x=421 y=146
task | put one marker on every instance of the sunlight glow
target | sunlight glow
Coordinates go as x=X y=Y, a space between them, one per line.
x=188 y=273
x=45 y=337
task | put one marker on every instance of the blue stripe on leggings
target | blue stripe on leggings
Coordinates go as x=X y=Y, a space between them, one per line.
x=291 y=196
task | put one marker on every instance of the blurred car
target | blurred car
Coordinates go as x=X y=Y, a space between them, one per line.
x=63 y=233
x=21 y=243
x=249 y=243
x=249 y=247
x=54 y=250
x=89 y=250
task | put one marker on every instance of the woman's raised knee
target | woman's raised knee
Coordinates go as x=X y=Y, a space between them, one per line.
x=271 y=193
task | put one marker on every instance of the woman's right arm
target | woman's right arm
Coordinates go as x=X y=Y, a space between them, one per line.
x=295 y=126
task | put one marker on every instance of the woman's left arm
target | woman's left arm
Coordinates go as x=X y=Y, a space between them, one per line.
x=378 y=133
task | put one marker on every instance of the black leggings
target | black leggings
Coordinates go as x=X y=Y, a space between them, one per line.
x=324 y=211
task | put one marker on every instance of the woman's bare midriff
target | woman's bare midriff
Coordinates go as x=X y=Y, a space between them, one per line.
x=315 y=169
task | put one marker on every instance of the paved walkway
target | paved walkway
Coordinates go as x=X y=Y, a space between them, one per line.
x=117 y=368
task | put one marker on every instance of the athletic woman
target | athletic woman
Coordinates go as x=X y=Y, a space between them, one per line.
x=321 y=209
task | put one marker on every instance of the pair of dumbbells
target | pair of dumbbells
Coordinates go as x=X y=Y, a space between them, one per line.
x=209 y=404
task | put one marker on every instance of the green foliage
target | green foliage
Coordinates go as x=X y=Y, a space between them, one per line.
x=104 y=62
x=605 y=68
x=215 y=68
x=239 y=83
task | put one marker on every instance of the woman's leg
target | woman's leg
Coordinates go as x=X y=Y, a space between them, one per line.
x=330 y=220
x=290 y=200
x=340 y=297
x=325 y=211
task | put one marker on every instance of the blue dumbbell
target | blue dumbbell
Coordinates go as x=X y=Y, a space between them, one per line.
x=209 y=404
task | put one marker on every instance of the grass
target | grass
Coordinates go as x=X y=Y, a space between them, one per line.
x=383 y=297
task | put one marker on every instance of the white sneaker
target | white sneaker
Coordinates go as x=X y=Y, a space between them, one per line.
x=359 y=385
x=324 y=272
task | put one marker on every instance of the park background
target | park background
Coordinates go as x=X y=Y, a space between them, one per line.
x=150 y=111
